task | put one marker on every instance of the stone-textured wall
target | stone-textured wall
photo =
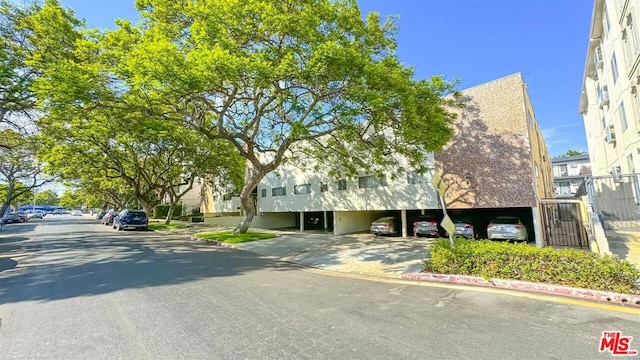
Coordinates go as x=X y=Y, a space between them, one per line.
x=488 y=162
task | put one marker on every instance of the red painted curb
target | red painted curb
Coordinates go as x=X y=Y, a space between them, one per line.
x=584 y=294
x=212 y=242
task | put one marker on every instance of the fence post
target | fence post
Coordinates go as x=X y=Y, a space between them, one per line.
x=537 y=226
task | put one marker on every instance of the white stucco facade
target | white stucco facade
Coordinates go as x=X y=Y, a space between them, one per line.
x=610 y=102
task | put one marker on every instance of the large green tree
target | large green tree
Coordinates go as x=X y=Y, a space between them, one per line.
x=285 y=81
x=20 y=171
x=280 y=81
x=46 y=197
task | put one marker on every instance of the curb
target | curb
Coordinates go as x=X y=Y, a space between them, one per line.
x=558 y=290
x=212 y=242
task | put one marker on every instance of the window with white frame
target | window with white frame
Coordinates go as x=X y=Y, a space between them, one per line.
x=415 y=178
x=371 y=181
x=342 y=184
x=623 y=116
x=614 y=68
x=630 y=164
x=279 y=191
x=263 y=192
x=302 y=189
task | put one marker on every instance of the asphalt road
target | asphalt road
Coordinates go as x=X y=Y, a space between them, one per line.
x=74 y=289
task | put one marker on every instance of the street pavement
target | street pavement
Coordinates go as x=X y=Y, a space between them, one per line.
x=73 y=289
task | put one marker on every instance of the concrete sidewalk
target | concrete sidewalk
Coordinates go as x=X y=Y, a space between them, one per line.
x=625 y=244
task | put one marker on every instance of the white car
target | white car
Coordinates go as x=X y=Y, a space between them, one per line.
x=76 y=213
x=35 y=214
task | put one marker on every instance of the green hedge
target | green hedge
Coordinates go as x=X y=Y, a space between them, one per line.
x=161 y=211
x=503 y=260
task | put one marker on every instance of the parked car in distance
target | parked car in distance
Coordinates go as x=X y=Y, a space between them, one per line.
x=57 y=212
x=464 y=227
x=386 y=225
x=107 y=219
x=428 y=225
x=35 y=214
x=23 y=216
x=131 y=219
x=507 y=228
x=11 y=218
x=76 y=213
x=100 y=215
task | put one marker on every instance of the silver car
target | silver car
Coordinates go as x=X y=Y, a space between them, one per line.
x=385 y=225
x=507 y=228
x=464 y=228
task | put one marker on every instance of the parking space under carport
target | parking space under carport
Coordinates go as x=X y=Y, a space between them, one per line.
x=480 y=218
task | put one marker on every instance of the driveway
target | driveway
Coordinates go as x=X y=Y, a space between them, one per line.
x=355 y=253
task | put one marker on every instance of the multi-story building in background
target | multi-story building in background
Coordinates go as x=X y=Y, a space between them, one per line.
x=610 y=102
x=496 y=164
x=568 y=174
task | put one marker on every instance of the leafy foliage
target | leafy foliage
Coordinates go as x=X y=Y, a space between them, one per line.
x=46 y=197
x=573 y=153
x=503 y=260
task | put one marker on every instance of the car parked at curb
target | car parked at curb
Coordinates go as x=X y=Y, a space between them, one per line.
x=507 y=228
x=11 y=218
x=131 y=219
x=35 y=214
x=107 y=219
x=76 y=213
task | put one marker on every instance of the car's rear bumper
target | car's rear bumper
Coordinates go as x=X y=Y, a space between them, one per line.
x=134 y=226
x=507 y=236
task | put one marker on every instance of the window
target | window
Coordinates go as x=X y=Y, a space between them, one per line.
x=302 y=189
x=623 y=116
x=560 y=170
x=604 y=123
x=342 y=184
x=529 y=119
x=563 y=188
x=324 y=187
x=371 y=181
x=415 y=178
x=537 y=173
x=634 y=37
x=630 y=165
x=264 y=192
x=279 y=191
x=614 y=68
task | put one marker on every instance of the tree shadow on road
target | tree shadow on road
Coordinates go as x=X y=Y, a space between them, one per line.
x=84 y=265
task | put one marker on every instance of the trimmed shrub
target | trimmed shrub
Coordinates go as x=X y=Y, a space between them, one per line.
x=503 y=260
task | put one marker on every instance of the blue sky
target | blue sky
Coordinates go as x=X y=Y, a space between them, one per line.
x=476 y=41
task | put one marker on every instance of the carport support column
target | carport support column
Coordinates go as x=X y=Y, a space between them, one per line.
x=537 y=225
x=326 y=223
x=403 y=217
x=301 y=220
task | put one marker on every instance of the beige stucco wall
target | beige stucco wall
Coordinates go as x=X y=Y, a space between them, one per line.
x=488 y=162
x=346 y=222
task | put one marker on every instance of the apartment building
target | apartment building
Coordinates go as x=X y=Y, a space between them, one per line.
x=568 y=174
x=495 y=164
x=610 y=102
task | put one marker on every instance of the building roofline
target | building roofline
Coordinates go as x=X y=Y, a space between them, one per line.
x=569 y=158
x=494 y=80
x=592 y=29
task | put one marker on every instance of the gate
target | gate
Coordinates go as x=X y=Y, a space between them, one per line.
x=615 y=199
x=563 y=223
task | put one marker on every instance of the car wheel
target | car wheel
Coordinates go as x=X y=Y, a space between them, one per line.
x=119 y=228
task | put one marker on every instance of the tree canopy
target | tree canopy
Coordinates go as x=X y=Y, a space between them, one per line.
x=270 y=82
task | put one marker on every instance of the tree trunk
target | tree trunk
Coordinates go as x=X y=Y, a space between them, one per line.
x=247 y=202
x=7 y=200
x=172 y=207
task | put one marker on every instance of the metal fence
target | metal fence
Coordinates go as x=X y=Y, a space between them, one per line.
x=615 y=199
x=563 y=223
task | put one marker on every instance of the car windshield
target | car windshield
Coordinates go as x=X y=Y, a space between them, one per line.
x=506 y=220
